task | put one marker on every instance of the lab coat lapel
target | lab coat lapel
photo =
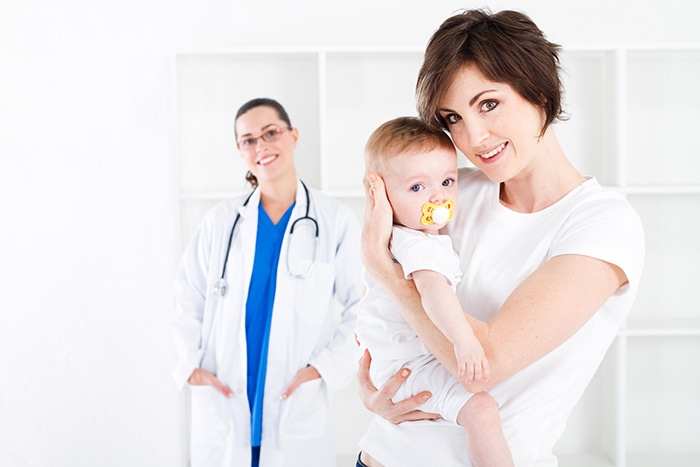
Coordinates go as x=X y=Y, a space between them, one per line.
x=283 y=310
x=231 y=343
x=249 y=231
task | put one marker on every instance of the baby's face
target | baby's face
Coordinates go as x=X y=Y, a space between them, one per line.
x=415 y=179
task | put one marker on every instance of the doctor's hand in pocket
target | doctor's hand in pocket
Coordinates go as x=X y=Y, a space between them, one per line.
x=201 y=377
x=302 y=376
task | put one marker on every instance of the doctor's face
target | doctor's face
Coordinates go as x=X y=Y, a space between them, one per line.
x=415 y=179
x=266 y=144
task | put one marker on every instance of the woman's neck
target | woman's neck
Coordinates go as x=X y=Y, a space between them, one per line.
x=276 y=198
x=550 y=178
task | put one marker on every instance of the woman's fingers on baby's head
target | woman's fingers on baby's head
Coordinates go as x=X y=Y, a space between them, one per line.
x=376 y=185
x=368 y=185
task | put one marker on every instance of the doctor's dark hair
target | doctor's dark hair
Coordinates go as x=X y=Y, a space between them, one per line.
x=402 y=135
x=260 y=102
x=506 y=47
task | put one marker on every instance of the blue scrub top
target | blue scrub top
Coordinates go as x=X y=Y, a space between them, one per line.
x=258 y=310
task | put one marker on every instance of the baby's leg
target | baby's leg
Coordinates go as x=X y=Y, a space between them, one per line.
x=486 y=443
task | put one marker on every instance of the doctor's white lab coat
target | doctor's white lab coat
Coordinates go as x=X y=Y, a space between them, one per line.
x=209 y=332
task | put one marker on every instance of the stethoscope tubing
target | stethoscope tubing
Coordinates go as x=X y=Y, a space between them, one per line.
x=230 y=236
x=220 y=286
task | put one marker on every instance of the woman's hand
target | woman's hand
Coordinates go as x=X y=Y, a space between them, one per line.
x=201 y=377
x=302 y=376
x=378 y=220
x=379 y=400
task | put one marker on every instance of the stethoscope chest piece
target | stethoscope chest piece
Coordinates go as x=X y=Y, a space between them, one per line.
x=220 y=288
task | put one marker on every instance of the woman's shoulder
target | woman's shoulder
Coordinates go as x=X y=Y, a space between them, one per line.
x=471 y=173
x=474 y=184
x=592 y=207
x=473 y=177
x=594 y=197
x=602 y=223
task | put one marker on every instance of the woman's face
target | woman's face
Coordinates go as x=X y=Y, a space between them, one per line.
x=495 y=128
x=415 y=179
x=272 y=159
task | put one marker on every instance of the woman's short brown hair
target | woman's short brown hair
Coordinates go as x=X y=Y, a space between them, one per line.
x=507 y=47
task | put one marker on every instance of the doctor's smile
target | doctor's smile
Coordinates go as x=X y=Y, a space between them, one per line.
x=267 y=160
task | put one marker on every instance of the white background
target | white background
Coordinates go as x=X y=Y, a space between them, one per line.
x=88 y=192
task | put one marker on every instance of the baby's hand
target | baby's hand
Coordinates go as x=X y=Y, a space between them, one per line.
x=472 y=365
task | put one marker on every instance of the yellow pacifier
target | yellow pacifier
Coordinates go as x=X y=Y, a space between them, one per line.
x=437 y=214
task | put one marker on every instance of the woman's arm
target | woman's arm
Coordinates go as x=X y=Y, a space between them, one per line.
x=541 y=313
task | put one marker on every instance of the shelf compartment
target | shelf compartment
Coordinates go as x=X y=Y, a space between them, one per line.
x=588 y=137
x=668 y=284
x=658 y=366
x=662 y=103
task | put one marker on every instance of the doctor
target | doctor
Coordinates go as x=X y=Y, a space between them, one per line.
x=253 y=316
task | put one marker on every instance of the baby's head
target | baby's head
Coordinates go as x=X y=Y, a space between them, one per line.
x=419 y=169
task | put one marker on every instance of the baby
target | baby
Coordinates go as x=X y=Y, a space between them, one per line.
x=419 y=169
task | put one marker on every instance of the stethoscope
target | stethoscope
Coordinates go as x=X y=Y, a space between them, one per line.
x=220 y=285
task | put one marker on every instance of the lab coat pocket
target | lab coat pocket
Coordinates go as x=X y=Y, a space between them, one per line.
x=211 y=420
x=315 y=292
x=305 y=412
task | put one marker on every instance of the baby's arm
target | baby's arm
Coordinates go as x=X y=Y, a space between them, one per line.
x=442 y=306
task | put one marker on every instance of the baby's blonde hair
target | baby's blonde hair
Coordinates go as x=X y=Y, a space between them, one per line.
x=402 y=135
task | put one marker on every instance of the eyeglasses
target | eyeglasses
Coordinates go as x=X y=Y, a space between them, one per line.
x=270 y=136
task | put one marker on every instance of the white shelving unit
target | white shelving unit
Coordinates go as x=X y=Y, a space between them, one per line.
x=634 y=118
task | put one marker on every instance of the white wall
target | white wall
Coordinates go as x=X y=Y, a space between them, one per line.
x=89 y=233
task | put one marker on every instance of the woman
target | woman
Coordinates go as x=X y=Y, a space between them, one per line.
x=254 y=305
x=551 y=260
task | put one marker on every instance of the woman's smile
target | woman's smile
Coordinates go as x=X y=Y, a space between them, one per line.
x=267 y=159
x=490 y=156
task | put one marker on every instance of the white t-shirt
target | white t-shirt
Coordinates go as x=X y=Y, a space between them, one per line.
x=498 y=249
x=380 y=326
